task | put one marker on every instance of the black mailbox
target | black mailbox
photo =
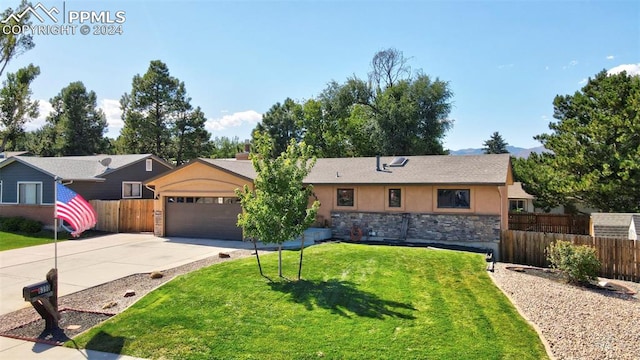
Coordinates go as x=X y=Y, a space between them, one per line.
x=37 y=291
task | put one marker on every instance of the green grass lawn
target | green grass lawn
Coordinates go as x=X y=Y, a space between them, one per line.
x=10 y=241
x=354 y=302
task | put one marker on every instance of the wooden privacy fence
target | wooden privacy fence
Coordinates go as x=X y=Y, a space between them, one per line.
x=620 y=258
x=550 y=223
x=126 y=215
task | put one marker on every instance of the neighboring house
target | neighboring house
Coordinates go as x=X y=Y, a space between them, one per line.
x=519 y=200
x=617 y=225
x=459 y=200
x=27 y=182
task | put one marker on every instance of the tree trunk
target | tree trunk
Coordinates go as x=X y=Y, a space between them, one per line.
x=255 y=247
x=301 y=251
x=280 y=260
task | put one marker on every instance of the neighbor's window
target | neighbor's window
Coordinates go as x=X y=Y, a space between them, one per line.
x=131 y=190
x=149 y=165
x=345 y=197
x=395 y=197
x=454 y=198
x=30 y=193
x=516 y=205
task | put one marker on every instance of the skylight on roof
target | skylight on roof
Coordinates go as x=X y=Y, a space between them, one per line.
x=398 y=161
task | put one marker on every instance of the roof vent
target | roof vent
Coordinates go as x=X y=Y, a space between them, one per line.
x=398 y=161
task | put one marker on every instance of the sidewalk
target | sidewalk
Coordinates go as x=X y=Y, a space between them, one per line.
x=89 y=262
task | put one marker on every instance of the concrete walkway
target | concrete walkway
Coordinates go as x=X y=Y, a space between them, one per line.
x=89 y=262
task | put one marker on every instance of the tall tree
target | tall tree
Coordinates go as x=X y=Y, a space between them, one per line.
x=388 y=67
x=16 y=106
x=225 y=148
x=282 y=123
x=495 y=145
x=149 y=111
x=411 y=116
x=79 y=125
x=595 y=143
x=14 y=45
x=276 y=209
x=191 y=139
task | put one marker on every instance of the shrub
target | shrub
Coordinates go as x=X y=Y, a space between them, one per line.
x=20 y=224
x=11 y=224
x=30 y=226
x=578 y=262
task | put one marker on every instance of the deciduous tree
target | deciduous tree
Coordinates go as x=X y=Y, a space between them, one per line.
x=16 y=106
x=276 y=209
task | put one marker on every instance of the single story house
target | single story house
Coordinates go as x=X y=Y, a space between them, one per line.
x=460 y=200
x=616 y=225
x=519 y=199
x=27 y=182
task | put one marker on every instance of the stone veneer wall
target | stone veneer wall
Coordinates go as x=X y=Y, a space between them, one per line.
x=458 y=228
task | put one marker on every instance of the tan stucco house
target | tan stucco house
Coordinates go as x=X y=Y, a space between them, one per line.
x=459 y=200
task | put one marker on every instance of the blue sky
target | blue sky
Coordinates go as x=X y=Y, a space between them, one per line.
x=505 y=61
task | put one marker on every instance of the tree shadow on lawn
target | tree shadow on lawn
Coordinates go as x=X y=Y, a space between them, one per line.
x=342 y=297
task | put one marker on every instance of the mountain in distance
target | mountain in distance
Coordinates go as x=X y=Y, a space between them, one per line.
x=513 y=150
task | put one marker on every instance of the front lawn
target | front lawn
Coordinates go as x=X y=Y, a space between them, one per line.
x=354 y=302
x=10 y=240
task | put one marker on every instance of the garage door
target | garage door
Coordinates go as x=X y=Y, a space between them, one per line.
x=203 y=217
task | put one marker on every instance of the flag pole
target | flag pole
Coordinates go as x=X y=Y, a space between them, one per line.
x=55 y=222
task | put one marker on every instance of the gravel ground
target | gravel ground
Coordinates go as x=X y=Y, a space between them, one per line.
x=88 y=307
x=575 y=322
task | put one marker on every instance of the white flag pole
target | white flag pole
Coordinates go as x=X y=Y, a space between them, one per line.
x=55 y=222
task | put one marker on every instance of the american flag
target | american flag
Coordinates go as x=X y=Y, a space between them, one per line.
x=75 y=210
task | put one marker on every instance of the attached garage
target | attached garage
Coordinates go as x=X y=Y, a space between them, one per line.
x=203 y=217
x=198 y=199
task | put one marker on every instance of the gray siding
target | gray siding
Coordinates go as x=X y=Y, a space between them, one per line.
x=111 y=188
x=11 y=174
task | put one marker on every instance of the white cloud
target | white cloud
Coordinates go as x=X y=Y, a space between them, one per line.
x=234 y=120
x=505 y=66
x=112 y=112
x=610 y=57
x=573 y=63
x=44 y=109
x=631 y=69
x=583 y=81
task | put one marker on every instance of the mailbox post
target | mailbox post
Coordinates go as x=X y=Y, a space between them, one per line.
x=43 y=296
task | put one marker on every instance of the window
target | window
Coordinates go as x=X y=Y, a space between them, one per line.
x=395 y=197
x=516 y=205
x=131 y=190
x=0 y=191
x=30 y=193
x=149 y=165
x=345 y=197
x=454 y=198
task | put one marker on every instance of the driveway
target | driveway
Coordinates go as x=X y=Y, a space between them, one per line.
x=88 y=262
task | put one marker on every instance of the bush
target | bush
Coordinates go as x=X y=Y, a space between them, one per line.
x=578 y=262
x=30 y=226
x=20 y=224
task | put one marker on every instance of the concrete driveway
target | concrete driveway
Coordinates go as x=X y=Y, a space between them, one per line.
x=88 y=262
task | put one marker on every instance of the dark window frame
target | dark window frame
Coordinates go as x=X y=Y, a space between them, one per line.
x=346 y=197
x=454 y=198
x=394 y=198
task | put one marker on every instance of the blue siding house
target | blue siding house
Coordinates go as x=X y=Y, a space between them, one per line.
x=27 y=182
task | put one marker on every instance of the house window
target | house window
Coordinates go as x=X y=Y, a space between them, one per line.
x=395 y=197
x=516 y=205
x=30 y=193
x=345 y=197
x=0 y=191
x=454 y=198
x=131 y=190
x=149 y=165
